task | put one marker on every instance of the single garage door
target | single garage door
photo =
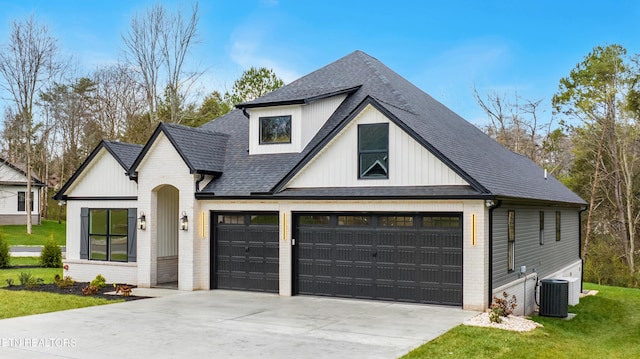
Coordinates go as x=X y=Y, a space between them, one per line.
x=245 y=252
x=406 y=257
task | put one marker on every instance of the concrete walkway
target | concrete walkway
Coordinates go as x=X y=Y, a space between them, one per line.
x=30 y=251
x=222 y=324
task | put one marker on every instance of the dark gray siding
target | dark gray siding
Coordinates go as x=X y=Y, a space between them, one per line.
x=545 y=259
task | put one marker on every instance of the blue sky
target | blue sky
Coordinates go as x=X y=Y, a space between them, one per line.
x=443 y=47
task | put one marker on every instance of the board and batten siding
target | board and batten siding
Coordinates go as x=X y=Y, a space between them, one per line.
x=104 y=177
x=306 y=121
x=547 y=258
x=9 y=200
x=167 y=223
x=410 y=164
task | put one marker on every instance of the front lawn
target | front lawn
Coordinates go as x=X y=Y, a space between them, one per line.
x=606 y=326
x=17 y=235
x=45 y=273
x=20 y=303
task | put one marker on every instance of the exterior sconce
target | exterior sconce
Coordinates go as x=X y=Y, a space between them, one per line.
x=142 y=221
x=184 y=222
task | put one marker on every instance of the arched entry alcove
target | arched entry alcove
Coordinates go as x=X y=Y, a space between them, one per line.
x=166 y=220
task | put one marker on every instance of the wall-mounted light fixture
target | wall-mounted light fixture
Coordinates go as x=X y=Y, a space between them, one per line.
x=142 y=221
x=184 y=222
x=489 y=203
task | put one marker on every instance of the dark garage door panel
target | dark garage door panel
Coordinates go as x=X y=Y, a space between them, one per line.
x=408 y=264
x=246 y=257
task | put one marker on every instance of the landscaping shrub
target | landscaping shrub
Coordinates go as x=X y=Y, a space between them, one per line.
x=502 y=307
x=5 y=256
x=90 y=290
x=99 y=281
x=28 y=280
x=51 y=256
x=66 y=282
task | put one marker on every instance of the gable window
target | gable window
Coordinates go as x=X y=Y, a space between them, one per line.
x=108 y=229
x=541 y=227
x=22 y=201
x=511 y=239
x=558 y=226
x=275 y=129
x=373 y=151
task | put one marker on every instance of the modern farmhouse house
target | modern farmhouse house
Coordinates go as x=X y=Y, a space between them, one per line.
x=13 y=199
x=348 y=182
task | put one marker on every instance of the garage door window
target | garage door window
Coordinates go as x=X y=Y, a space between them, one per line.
x=231 y=219
x=354 y=220
x=395 y=221
x=315 y=220
x=264 y=219
x=441 y=221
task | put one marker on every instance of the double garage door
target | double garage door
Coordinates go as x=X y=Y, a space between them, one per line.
x=407 y=257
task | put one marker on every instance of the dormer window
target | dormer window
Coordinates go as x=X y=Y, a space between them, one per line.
x=275 y=129
x=373 y=151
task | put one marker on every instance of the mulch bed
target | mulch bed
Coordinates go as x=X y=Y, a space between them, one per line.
x=76 y=289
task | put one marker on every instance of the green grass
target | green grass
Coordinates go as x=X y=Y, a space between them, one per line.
x=17 y=235
x=21 y=303
x=24 y=261
x=606 y=326
x=45 y=273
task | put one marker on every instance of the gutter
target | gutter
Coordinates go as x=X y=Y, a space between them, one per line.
x=495 y=205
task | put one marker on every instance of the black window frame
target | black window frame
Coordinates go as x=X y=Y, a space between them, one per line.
x=263 y=119
x=22 y=200
x=541 y=234
x=511 y=240
x=108 y=235
x=558 y=226
x=362 y=173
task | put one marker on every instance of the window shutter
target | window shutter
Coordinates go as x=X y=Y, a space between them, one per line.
x=84 y=233
x=132 y=231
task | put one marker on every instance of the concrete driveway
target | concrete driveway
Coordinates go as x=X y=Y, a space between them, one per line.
x=222 y=324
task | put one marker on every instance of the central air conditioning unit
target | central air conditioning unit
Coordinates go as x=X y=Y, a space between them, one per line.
x=554 y=297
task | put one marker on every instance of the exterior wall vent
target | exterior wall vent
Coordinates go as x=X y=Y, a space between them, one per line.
x=554 y=297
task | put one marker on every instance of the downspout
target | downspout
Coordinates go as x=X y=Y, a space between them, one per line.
x=492 y=207
x=580 y=245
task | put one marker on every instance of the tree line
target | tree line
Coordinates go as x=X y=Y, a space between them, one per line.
x=53 y=118
x=594 y=150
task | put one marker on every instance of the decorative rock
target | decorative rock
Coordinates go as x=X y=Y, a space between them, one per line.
x=513 y=323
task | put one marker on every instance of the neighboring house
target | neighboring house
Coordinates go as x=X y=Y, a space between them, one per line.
x=13 y=190
x=349 y=182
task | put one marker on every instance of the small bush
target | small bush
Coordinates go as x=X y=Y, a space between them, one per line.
x=51 y=256
x=502 y=307
x=29 y=281
x=9 y=281
x=90 y=290
x=5 y=255
x=24 y=277
x=66 y=282
x=99 y=281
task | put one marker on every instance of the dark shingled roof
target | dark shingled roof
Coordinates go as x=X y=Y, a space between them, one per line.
x=124 y=153
x=491 y=169
x=203 y=151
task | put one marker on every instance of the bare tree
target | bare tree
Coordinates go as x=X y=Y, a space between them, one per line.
x=157 y=45
x=119 y=99
x=514 y=125
x=27 y=62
